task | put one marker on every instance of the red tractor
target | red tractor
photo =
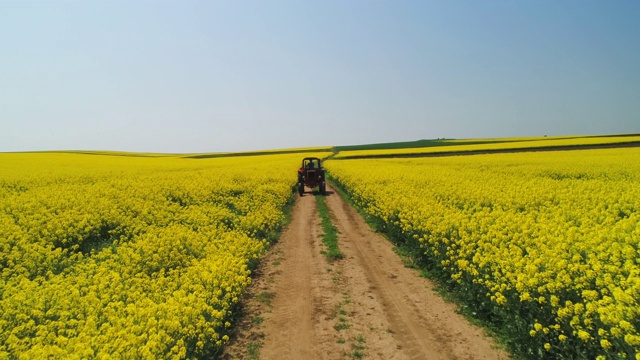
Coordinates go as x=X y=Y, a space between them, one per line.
x=311 y=174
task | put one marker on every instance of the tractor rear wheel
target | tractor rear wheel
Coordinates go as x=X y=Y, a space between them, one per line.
x=301 y=189
x=323 y=188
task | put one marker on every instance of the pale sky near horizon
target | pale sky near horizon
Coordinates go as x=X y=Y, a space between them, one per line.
x=206 y=76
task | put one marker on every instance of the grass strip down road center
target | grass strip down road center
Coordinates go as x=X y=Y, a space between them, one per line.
x=330 y=236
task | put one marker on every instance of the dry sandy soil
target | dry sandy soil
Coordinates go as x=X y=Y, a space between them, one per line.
x=367 y=305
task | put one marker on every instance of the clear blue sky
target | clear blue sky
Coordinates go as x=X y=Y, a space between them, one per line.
x=204 y=76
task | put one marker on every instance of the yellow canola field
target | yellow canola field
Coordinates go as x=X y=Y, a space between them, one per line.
x=131 y=257
x=499 y=144
x=545 y=245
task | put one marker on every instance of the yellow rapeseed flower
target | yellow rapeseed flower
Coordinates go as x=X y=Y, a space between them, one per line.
x=558 y=227
x=128 y=255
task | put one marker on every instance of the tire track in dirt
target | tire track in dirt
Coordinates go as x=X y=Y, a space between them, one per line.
x=290 y=327
x=368 y=305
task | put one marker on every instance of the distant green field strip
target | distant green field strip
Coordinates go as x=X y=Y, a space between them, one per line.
x=184 y=156
x=498 y=146
x=257 y=153
x=409 y=144
x=453 y=142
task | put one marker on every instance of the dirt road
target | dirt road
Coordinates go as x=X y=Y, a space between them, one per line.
x=368 y=305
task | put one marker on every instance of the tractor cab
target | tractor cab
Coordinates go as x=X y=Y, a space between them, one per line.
x=311 y=174
x=311 y=163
